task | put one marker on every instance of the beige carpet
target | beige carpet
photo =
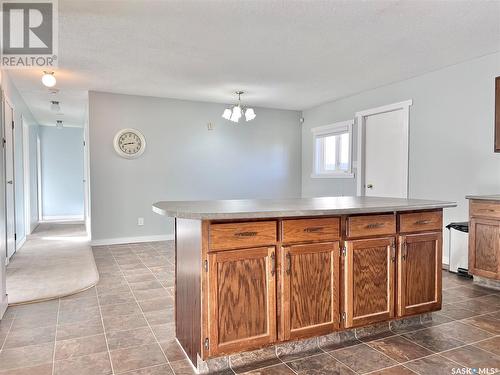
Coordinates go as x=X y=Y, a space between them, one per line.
x=55 y=261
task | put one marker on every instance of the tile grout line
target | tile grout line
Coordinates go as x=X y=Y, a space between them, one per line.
x=7 y=334
x=437 y=353
x=55 y=337
x=104 y=327
x=138 y=304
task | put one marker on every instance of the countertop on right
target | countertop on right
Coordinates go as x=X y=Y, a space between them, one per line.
x=494 y=197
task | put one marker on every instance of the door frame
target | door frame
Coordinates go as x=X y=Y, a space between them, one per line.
x=361 y=122
x=27 y=177
x=6 y=100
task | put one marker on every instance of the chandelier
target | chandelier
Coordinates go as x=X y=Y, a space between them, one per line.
x=236 y=112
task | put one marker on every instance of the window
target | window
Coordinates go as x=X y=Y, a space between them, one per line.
x=332 y=150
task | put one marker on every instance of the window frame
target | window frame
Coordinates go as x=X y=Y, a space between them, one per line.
x=336 y=128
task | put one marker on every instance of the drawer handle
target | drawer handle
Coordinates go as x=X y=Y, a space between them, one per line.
x=289 y=264
x=487 y=209
x=273 y=263
x=245 y=234
x=375 y=225
x=313 y=229
x=422 y=222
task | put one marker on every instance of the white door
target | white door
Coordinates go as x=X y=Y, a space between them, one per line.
x=9 y=179
x=386 y=154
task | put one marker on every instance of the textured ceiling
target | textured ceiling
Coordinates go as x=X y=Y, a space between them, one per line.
x=284 y=54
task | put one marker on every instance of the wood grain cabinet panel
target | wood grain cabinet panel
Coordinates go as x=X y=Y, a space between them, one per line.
x=242 y=294
x=228 y=236
x=421 y=221
x=369 y=281
x=486 y=209
x=371 y=225
x=311 y=230
x=419 y=273
x=484 y=247
x=310 y=290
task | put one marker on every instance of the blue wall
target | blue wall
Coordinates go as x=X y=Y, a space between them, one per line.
x=62 y=171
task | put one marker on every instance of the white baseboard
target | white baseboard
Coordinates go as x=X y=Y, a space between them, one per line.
x=20 y=243
x=33 y=226
x=63 y=218
x=3 y=306
x=122 y=240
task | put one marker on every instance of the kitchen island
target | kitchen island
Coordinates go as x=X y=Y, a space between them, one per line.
x=484 y=239
x=254 y=273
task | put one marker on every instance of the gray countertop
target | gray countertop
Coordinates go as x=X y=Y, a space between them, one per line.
x=268 y=208
x=484 y=197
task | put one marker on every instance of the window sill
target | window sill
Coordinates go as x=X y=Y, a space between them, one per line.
x=332 y=175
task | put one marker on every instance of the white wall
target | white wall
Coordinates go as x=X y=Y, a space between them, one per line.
x=451 y=134
x=33 y=136
x=62 y=172
x=183 y=160
x=20 y=111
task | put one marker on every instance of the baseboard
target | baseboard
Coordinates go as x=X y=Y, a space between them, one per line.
x=123 y=240
x=34 y=224
x=3 y=306
x=20 y=243
x=63 y=218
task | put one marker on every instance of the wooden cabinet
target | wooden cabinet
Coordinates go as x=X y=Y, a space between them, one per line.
x=242 y=295
x=484 y=247
x=484 y=238
x=311 y=230
x=309 y=290
x=419 y=273
x=369 y=281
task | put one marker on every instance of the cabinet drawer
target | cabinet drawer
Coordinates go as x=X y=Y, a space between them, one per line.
x=302 y=230
x=485 y=209
x=420 y=221
x=373 y=225
x=238 y=235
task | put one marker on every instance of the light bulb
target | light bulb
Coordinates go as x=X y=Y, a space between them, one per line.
x=235 y=117
x=227 y=113
x=48 y=79
x=250 y=114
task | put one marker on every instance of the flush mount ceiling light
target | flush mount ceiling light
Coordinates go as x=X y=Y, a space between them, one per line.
x=59 y=124
x=54 y=106
x=236 y=112
x=48 y=79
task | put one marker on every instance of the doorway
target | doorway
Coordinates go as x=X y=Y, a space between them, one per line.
x=383 y=135
x=9 y=178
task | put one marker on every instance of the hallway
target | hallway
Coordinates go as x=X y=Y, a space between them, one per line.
x=55 y=261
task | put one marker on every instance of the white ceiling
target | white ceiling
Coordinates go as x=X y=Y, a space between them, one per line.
x=284 y=54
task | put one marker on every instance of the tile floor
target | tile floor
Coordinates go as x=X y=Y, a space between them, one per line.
x=124 y=325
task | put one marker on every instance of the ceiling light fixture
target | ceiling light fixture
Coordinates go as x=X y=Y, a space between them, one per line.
x=48 y=79
x=59 y=124
x=235 y=113
x=54 y=106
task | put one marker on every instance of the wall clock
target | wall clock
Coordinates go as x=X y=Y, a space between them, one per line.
x=129 y=143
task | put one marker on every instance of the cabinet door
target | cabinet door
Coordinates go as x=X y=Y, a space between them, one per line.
x=484 y=248
x=310 y=290
x=242 y=299
x=369 y=281
x=419 y=273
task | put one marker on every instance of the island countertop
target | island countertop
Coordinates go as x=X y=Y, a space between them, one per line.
x=494 y=197
x=293 y=207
